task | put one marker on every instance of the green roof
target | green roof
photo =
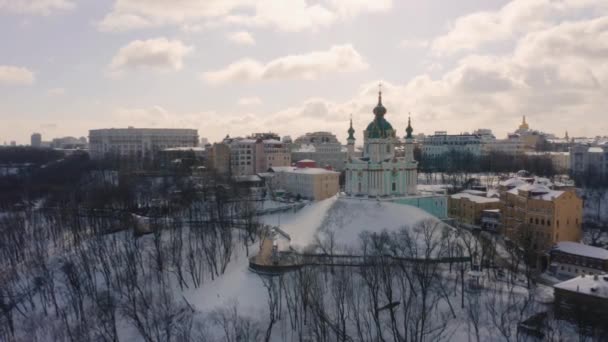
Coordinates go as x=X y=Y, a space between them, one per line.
x=379 y=128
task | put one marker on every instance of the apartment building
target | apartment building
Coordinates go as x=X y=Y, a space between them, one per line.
x=138 y=143
x=541 y=215
x=251 y=156
x=468 y=208
x=571 y=259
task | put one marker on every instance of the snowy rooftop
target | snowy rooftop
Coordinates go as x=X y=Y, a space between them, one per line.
x=582 y=250
x=475 y=198
x=589 y=285
x=596 y=150
x=250 y=178
x=195 y=149
x=513 y=182
x=538 y=191
x=306 y=148
x=305 y=170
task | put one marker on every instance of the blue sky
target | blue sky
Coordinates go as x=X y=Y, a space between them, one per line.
x=293 y=66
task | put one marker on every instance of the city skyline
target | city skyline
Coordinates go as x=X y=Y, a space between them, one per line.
x=236 y=67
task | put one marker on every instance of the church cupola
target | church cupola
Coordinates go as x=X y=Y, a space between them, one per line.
x=379 y=128
x=351 y=131
x=409 y=129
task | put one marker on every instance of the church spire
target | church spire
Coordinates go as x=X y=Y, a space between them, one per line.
x=379 y=111
x=409 y=128
x=351 y=130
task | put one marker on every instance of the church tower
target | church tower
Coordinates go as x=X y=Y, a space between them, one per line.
x=350 y=141
x=409 y=154
x=379 y=172
x=524 y=125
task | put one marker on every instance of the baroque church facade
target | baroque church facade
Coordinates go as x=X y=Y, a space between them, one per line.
x=379 y=172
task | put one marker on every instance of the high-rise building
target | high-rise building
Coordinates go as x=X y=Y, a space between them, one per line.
x=138 y=142
x=379 y=172
x=36 y=140
x=250 y=156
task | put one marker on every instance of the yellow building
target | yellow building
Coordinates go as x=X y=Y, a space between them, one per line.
x=311 y=183
x=467 y=208
x=536 y=214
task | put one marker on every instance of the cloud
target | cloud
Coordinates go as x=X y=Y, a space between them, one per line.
x=157 y=54
x=250 y=101
x=413 y=44
x=13 y=75
x=313 y=65
x=35 y=7
x=517 y=17
x=241 y=38
x=56 y=92
x=293 y=15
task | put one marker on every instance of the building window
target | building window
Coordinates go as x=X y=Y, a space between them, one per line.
x=394 y=186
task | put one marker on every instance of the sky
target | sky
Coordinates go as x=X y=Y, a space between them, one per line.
x=295 y=66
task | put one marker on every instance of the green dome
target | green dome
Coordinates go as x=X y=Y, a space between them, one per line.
x=379 y=128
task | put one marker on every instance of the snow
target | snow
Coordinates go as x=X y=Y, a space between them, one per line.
x=236 y=285
x=302 y=225
x=582 y=250
x=249 y=178
x=596 y=150
x=538 y=191
x=475 y=198
x=306 y=170
x=345 y=219
x=596 y=286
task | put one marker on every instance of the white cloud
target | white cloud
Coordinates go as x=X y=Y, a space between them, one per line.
x=413 y=43
x=292 y=15
x=37 y=7
x=250 y=101
x=56 y=92
x=515 y=18
x=313 y=65
x=241 y=38
x=13 y=75
x=158 y=54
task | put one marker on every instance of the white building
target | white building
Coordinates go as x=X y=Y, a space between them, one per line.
x=322 y=147
x=437 y=145
x=379 y=172
x=512 y=145
x=590 y=161
x=138 y=142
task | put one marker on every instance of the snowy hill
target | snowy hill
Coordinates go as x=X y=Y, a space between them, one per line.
x=344 y=219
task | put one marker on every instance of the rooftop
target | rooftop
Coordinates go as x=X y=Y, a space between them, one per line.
x=306 y=170
x=596 y=286
x=475 y=198
x=582 y=250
